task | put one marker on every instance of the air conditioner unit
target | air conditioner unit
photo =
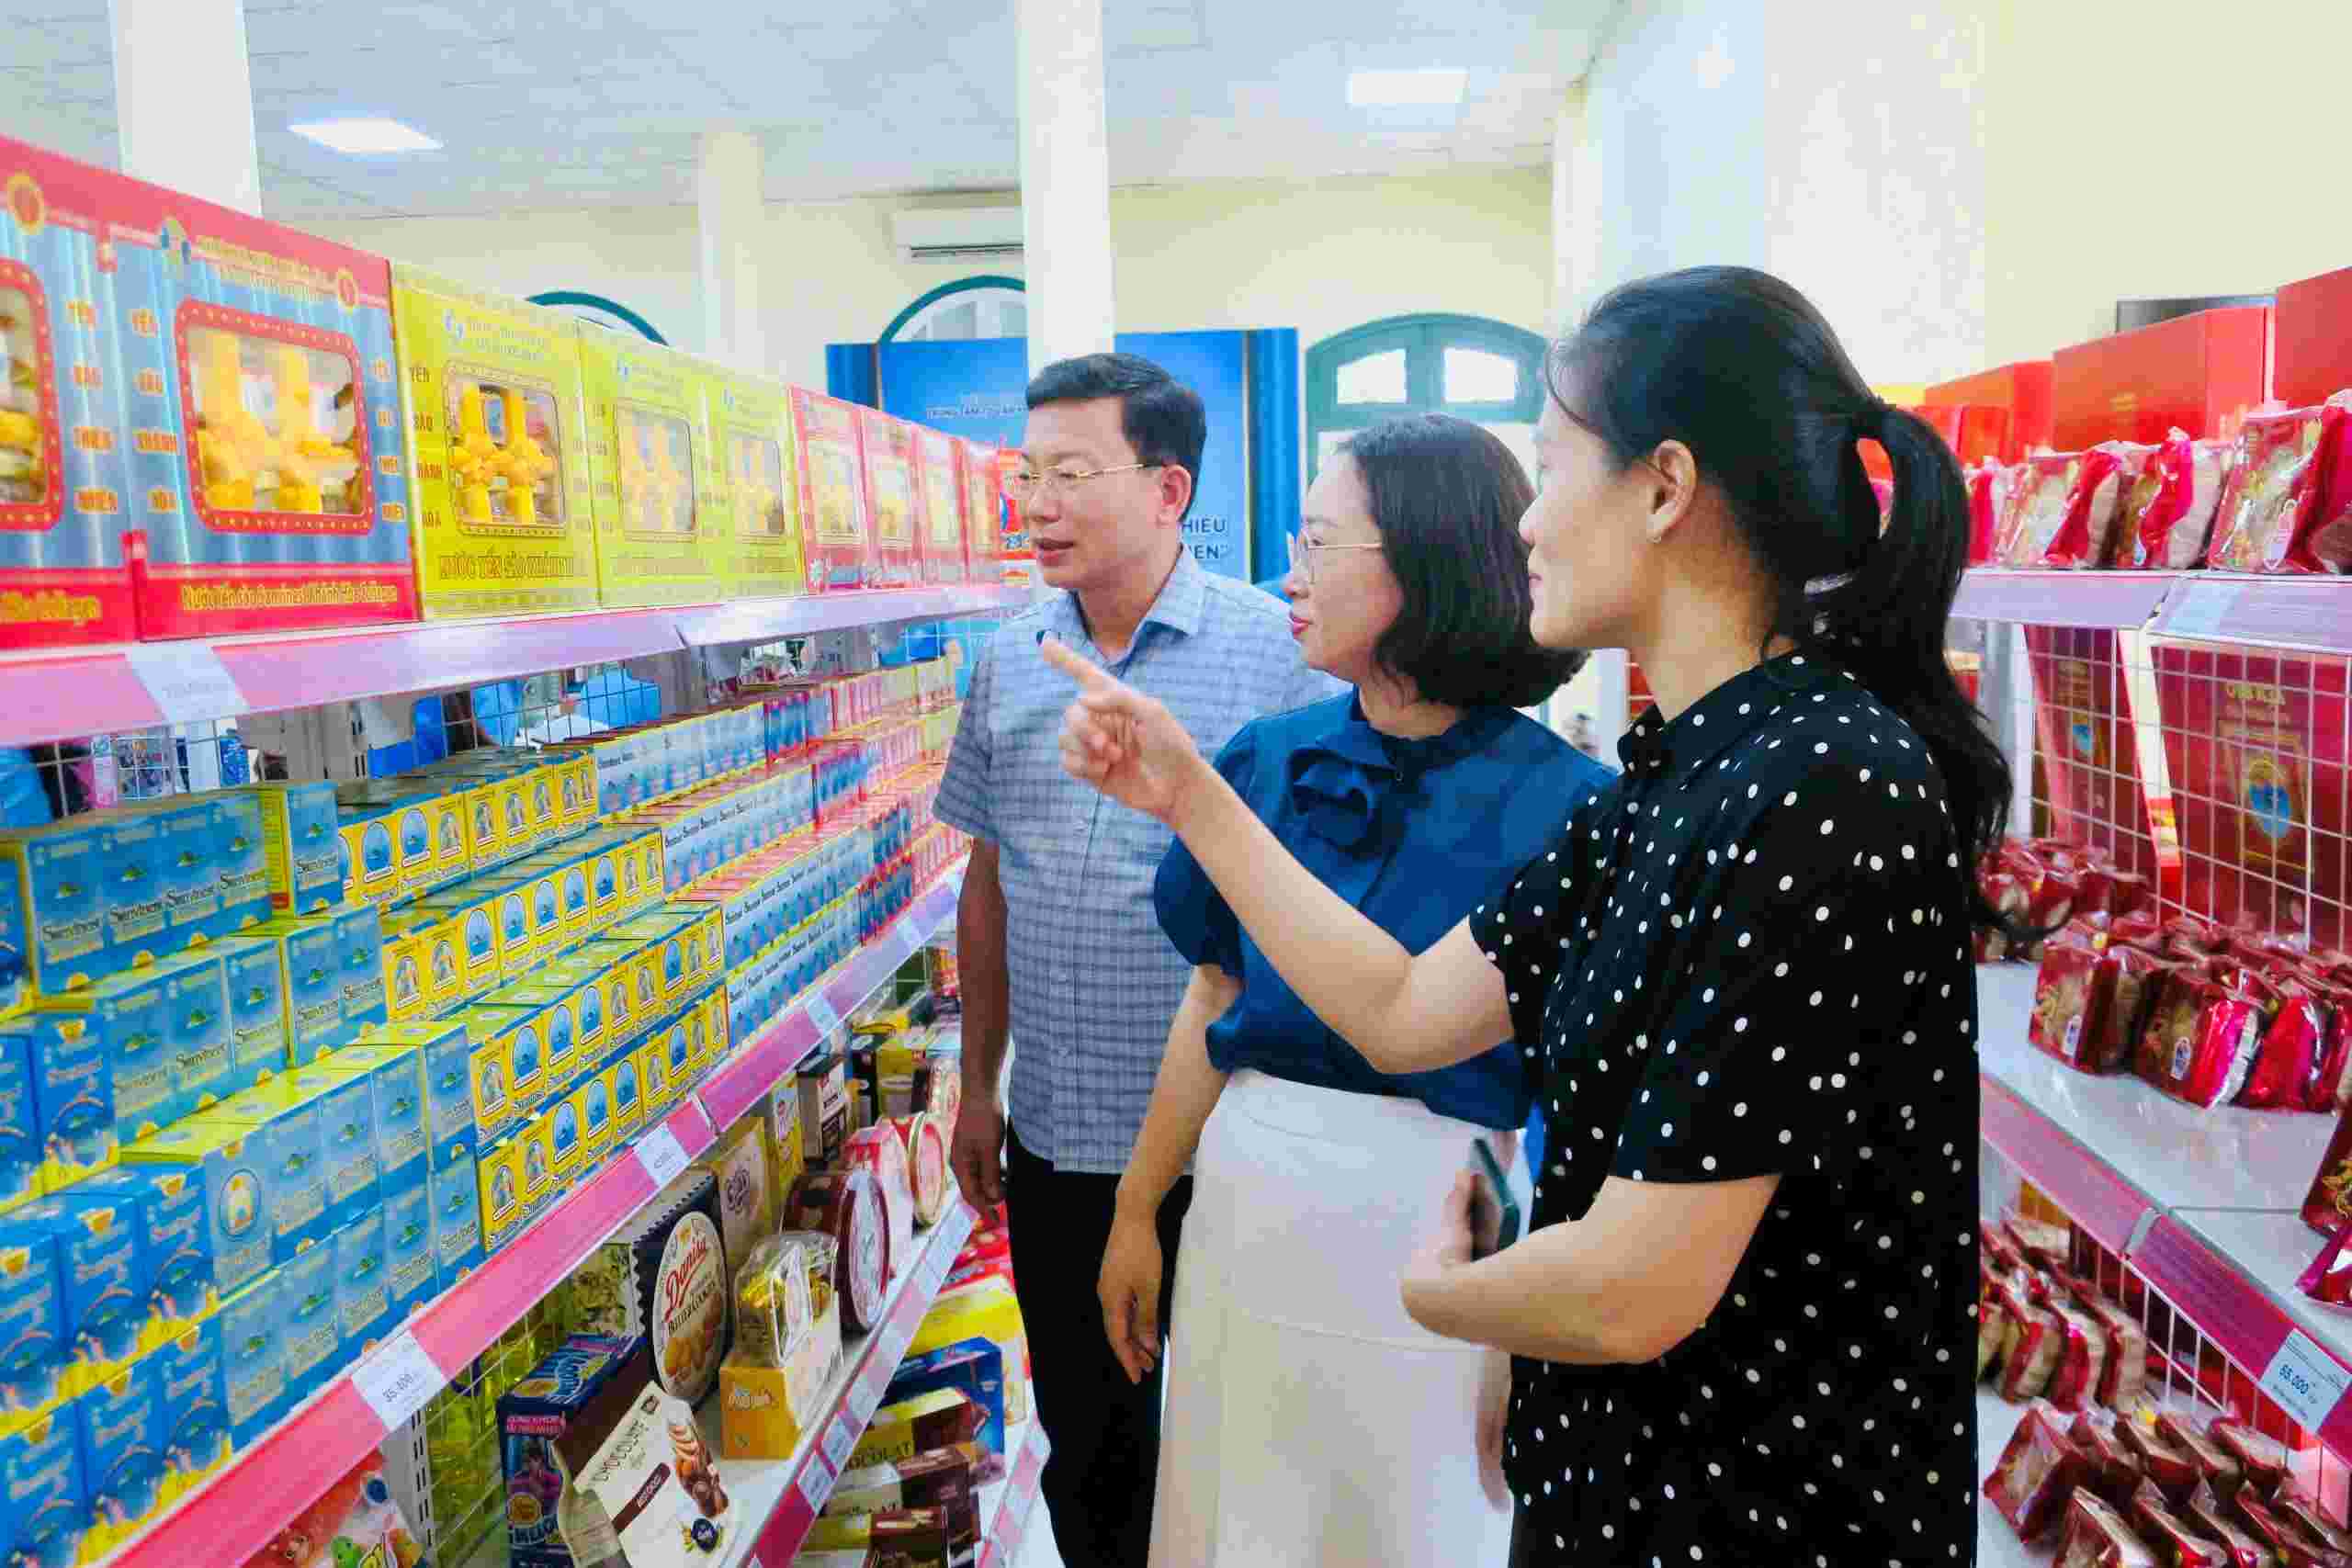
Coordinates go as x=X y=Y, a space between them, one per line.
x=958 y=234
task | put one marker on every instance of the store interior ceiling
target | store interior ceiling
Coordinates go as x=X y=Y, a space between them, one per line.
x=587 y=103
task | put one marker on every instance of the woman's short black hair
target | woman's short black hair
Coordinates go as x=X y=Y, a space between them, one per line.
x=1447 y=497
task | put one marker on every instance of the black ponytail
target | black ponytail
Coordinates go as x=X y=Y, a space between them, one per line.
x=1741 y=368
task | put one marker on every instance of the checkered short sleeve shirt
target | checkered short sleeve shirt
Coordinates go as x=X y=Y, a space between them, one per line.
x=1094 y=980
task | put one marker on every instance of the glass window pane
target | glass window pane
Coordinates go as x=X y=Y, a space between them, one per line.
x=959 y=320
x=1374 y=378
x=1013 y=318
x=1475 y=375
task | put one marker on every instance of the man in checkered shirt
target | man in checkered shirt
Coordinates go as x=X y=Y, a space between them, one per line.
x=1055 y=934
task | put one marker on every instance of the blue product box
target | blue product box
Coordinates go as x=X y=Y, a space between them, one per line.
x=286 y=1152
x=346 y=1103
x=119 y=1424
x=173 y=1224
x=239 y=861
x=395 y=1076
x=19 y=1136
x=231 y=1171
x=16 y=967
x=531 y=1417
x=256 y=978
x=974 y=1368
x=104 y=1296
x=135 y=851
x=253 y=1358
x=32 y=1321
x=363 y=1298
x=309 y=1303
x=409 y=1262
x=124 y=1023
x=44 y=1494
x=301 y=845
x=188 y=1380
x=198 y=1024
x=182 y=832
x=455 y=1191
x=444 y=1060
x=311 y=971
x=359 y=940
x=59 y=870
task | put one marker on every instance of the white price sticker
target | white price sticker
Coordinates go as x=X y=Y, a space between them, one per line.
x=397 y=1379
x=2202 y=609
x=815 y=1487
x=664 y=1157
x=187 y=680
x=2305 y=1381
x=840 y=1438
x=821 y=1014
x=910 y=939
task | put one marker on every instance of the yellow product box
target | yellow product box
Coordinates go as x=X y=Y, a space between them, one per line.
x=711 y=1018
x=497 y=1101
x=371 y=860
x=781 y=1108
x=498 y=1169
x=642 y=884
x=543 y=793
x=764 y=1411
x=983 y=1309
x=518 y=950
x=485 y=835
x=592 y=1103
x=625 y=1081
x=408 y=935
x=744 y=1164
x=604 y=862
x=441 y=944
x=555 y=1007
x=547 y=918
x=653 y=1073
x=675 y=1040
x=623 y=1027
x=567 y=1143
x=759 y=461
x=498 y=450
x=707 y=955
x=468 y=915
x=447 y=853
x=576 y=773
x=534 y=1165
x=662 y=531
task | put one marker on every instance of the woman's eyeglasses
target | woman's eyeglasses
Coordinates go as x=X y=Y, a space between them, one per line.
x=1024 y=488
x=1303 y=552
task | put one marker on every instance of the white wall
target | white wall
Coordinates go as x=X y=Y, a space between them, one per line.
x=1320 y=255
x=1838 y=144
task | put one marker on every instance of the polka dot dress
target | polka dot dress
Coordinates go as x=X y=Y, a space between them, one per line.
x=1748 y=957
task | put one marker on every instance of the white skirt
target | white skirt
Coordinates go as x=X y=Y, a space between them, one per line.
x=1309 y=1421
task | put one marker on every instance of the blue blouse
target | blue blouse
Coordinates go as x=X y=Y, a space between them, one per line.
x=1414 y=833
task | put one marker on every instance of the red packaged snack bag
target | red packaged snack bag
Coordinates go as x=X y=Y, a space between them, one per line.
x=1989 y=484
x=2327 y=1207
x=2216 y=1465
x=2134 y=979
x=2240 y=1547
x=2092 y=538
x=2175 y=1541
x=2029 y=1345
x=2070 y=1001
x=2124 y=1376
x=2115 y=1470
x=2041 y=1242
x=2287 y=1067
x=2059 y=491
x=2169 y=511
x=2036 y=1474
x=2129 y=896
x=2099 y=1537
x=2082 y=1359
x=2305 y=1515
x=2001 y=1254
x=1992 y=1332
x=2189 y=936
x=2331 y=1085
x=2200 y=1041
x=2268 y=505
x=2166 y=1463
x=2262 y=1458
x=2052 y=901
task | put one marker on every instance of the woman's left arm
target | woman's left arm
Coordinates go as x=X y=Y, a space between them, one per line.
x=1626 y=1284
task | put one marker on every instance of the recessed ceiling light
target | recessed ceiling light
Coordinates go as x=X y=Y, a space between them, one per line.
x=1435 y=87
x=365 y=135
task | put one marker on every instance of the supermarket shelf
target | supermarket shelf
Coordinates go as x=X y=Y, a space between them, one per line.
x=2247 y=1263
x=2310 y=613
x=51 y=695
x=2118 y=599
x=239 y=1510
x=787 y=1496
x=1005 y=1507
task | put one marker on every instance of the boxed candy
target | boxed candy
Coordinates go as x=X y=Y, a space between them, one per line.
x=640 y=1485
x=913 y=1426
x=534 y=1414
x=766 y=1407
x=664 y=1275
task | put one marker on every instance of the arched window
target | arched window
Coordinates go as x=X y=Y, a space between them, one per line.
x=1486 y=371
x=986 y=306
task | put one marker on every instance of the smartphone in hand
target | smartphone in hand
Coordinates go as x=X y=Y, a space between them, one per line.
x=1494 y=1213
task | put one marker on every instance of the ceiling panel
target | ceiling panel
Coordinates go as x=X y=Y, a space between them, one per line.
x=599 y=102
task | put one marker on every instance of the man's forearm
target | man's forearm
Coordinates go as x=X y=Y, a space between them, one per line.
x=981 y=970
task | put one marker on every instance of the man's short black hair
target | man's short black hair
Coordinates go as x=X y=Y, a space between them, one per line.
x=1447 y=497
x=1161 y=417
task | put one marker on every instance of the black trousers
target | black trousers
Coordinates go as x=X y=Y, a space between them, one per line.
x=1105 y=1432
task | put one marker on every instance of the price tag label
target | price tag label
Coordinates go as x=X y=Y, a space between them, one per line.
x=2202 y=608
x=397 y=1379
x=910 y=939
x=821 y=1014
x=840 y=1438
x=2305 y=1381
x=664 y=1157
x=187 y=680
x=815 y=1487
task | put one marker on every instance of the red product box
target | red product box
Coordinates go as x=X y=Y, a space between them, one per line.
x=834 y=520
x=2090 y=754
x=976 y=471
x=939 y=477
x=2021 y=389
x=894 y=500
x=2203 y=373
x=2253 y=742
x=2314 y=338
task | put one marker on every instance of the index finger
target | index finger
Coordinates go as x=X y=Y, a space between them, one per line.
x=1063 y=658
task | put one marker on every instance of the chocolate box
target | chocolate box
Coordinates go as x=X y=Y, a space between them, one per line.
x=664 y=1275
x=532 y=1416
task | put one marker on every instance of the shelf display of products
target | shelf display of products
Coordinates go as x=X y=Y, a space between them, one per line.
x=663 y=524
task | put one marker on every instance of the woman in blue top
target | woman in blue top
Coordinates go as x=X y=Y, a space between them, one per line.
x=1309 y=1419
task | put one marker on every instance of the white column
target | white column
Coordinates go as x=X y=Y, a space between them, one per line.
x=1576 y=213
x=1065 y=178
x=728 y=166
x=184 y=98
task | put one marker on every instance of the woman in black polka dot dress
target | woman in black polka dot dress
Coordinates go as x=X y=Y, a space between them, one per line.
x=1739 y=977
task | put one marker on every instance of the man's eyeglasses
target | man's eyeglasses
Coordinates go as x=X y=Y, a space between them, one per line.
x=1303 y=552
x=1024 y=488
